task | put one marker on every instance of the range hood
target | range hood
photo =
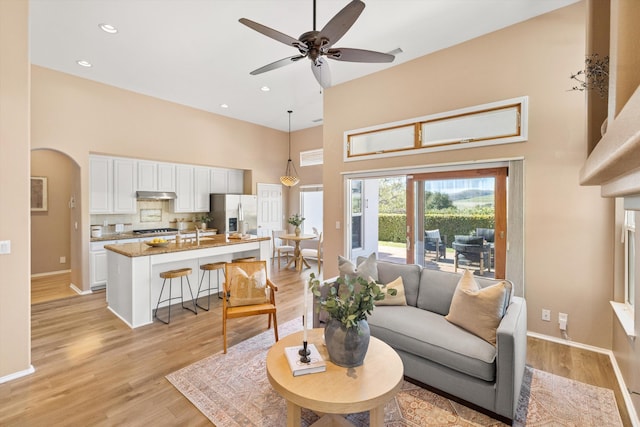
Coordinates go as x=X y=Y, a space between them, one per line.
x=156 y=195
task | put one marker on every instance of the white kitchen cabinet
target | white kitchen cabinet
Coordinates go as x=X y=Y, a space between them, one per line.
x=236 y=181
x=219 y=180
x=112 y=185
x=166 y=177
x=184 y=189
x=201 y=189
x=147 y=176
x=100 y=185
x=124 y=185
x=227 y=181
x=98 y=264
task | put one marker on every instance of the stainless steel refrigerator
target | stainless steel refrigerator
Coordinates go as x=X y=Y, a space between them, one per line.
x=234 y=213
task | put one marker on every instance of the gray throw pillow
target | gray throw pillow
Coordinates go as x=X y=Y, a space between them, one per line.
x=368 y=269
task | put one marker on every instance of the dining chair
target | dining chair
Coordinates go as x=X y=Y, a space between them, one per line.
x=249 y=293
x=280 y=247
x=314 y=253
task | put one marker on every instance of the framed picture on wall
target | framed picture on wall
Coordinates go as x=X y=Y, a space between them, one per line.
x=39 y=194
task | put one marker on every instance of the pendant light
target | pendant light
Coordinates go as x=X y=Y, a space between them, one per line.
x=290 y=177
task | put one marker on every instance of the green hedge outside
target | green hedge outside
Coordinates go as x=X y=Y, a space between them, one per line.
x=392 y=227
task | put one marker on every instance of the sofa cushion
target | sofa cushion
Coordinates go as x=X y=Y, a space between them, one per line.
x=410 y=273
x=479 y=310
x=469 y=240
x=436 y=290
x=398 y=299
x=367 y=269
x=430 y=336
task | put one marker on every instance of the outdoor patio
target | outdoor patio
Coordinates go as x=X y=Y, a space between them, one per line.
x=398 y=255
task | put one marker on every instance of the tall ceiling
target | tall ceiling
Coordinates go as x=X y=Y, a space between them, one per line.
x=196 y=53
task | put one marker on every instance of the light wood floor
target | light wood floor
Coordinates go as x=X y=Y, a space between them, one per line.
x=91 y=369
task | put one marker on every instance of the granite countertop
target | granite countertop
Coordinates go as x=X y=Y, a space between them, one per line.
x=137 y=249
x=131 y=235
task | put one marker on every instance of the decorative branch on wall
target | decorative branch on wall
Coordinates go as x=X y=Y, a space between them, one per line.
x=595 y=75
x=39 y=202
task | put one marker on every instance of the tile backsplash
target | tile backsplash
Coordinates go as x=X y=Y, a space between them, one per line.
x=150 y=214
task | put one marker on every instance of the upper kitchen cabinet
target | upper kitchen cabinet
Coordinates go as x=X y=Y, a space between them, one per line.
x=124 y=186
x=184 y=190
x=112 y=185
x=201 y=189
x=100 y=185
x=156 y=176
x=227 y=181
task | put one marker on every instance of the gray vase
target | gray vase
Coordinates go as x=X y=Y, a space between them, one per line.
x=347 y=347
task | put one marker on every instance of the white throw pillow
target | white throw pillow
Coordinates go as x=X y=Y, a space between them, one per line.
x=368 y=269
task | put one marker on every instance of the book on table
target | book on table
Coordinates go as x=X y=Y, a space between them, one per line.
x=317 y=363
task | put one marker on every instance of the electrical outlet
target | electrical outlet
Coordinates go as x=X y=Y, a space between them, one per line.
x=546 y=315
x=563 y=318
x=63 y=259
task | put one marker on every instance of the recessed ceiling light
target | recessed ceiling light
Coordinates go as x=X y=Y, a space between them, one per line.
x=84 y=63
x=108 y=28
x=224 y=106
x=265 y=88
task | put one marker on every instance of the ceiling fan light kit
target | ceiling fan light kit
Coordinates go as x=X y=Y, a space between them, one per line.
x=290 y=177
x=316 y=45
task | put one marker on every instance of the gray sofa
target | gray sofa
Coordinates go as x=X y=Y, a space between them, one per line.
x=446 y=357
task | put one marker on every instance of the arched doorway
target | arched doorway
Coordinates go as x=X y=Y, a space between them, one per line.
x=55 y=222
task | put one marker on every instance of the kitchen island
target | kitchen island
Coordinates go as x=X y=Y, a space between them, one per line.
x=133 y=270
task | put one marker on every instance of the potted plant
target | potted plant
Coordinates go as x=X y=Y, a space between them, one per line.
x=296 y=220
x=204 y=219
x=348 y=303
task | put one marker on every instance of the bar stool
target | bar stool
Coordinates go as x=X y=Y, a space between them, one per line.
x=245 y=259
x=174 y=274
x=212 y=266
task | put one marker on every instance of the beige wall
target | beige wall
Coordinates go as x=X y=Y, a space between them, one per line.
x=302 y=140
x=568 y=228
x=15 y=311
x=51 y=230
x=76 y=116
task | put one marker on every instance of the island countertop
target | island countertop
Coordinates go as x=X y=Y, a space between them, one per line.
x=138 y=249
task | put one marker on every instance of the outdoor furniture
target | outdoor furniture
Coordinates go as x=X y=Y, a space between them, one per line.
x=489 y=235
x=471 y=249
x=434 y=242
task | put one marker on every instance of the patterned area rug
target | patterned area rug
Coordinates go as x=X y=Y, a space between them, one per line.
x=232 y=390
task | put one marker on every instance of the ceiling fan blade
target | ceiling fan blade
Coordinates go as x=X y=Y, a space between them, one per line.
x=321 y=72
x=270 y=32
x=340 y=24
x=277 y=64
x=358 y=55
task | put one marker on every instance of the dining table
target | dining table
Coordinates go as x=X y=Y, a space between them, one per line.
x=298 y=260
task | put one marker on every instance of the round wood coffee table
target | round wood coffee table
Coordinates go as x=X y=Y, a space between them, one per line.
x=338 y=390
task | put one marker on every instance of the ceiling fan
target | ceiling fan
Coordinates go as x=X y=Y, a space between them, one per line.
x=316 y=45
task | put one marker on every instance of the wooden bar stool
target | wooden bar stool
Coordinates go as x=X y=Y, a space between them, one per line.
x=245 y=259
x=174 y=274
x=212 y=266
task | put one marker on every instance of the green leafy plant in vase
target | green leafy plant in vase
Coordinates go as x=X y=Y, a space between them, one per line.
x=348 y=302
x=296 y=220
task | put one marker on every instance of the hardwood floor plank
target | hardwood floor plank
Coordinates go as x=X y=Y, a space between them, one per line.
x=91 y=369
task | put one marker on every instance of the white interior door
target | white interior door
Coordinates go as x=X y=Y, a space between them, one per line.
x=269 y=208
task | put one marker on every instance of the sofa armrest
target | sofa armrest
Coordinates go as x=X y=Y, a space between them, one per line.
x=511 y=349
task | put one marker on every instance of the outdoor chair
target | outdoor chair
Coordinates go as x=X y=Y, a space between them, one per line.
x=489 y=235
x=434 y=242
x=469 y=250
x=249 y=292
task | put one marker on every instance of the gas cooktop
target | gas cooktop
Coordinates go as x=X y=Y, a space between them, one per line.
x=155 y=230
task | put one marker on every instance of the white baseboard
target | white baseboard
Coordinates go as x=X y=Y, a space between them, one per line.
x=79 y=291
x=633 y=415
x=50 y=273
x=17 y=375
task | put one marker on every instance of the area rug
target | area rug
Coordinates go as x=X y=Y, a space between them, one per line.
x=232 y=390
